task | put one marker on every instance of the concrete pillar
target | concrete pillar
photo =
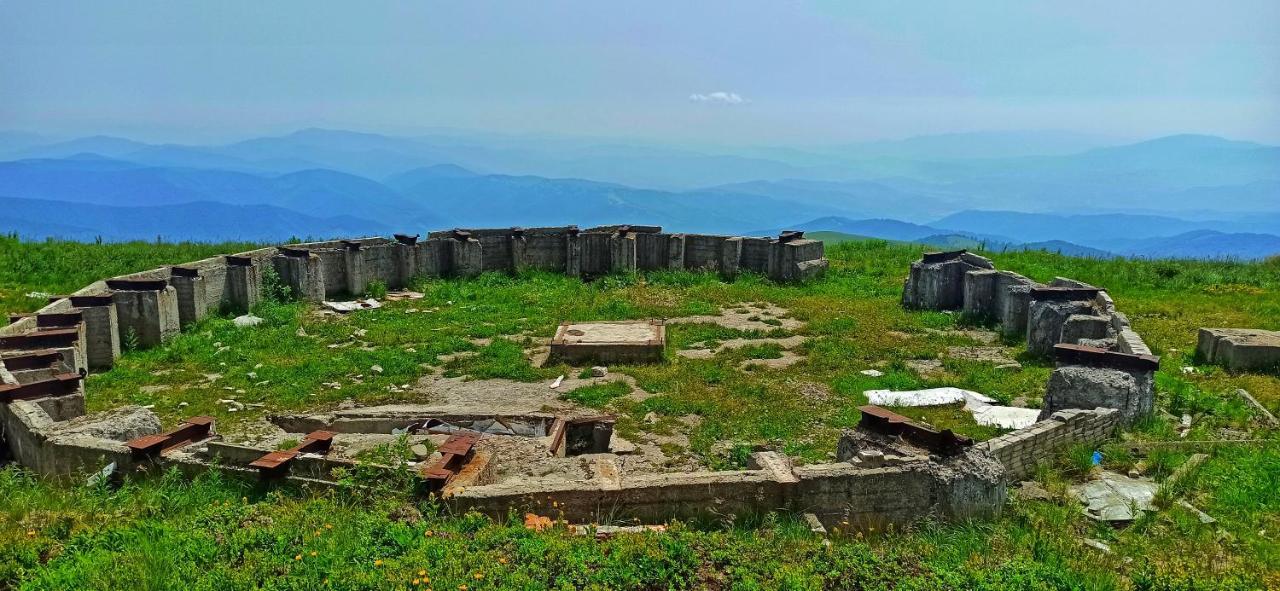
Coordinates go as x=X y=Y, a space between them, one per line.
x=980 y=293
x=675 y=252
x=1014 y=309
x=149 y=315
x=353 y=259
x=101 y=330
x=519 y=248
x=302 y=272
x=622 y=252
x=406 y=261
x=730 y=257
x=468 y=257
x=190 y=288
x=244 y=284
x=573 y=254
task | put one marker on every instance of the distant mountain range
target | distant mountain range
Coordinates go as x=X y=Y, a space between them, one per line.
x=1214 y=197
x=946 y=234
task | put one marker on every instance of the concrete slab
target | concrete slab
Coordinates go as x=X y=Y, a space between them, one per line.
x=1240 y=348
x=633 y=341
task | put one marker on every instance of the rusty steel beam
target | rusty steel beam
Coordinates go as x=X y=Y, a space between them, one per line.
x=41 y=339
x=137 y=284
x=31 y=360
x=59 y=385
x=790 y=236
x=1096 y=357
x=884 y=421
x=557 y=433
x=276 y=463
x=189 y=431
x=91 y=301
x=58 y=319
x=1064 y=294
x=453 y=455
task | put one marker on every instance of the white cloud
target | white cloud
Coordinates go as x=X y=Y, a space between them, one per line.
x=726 y=98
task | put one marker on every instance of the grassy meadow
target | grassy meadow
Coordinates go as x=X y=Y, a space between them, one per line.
x=208 y=533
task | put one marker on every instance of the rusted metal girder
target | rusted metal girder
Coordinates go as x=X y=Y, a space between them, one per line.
x=189 y=431
x=58 y=319
x=558 y=434
x=59 y=385
x=41 y=339
x=137 y=284
x=886 y=422
x=1097 y=357
x=31 y=360
x=790 y=236
x=1064 y=294
x=277 y=463
x=299 y=253
x=941 y=257
x=453 y=455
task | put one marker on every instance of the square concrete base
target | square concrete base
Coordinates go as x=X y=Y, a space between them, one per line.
x=632 y=341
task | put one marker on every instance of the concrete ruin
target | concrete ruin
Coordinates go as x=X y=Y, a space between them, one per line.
x=1105 y=363
x=887 y=471
x=1240 y=349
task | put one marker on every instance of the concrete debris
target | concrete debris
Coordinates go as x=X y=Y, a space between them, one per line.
x=420 y=451
x=874 y=373
x=346 y=307
x=651 y=418
x=1240 y=349
x=557 y=382
x=1262 y=411
x=1204 y=518
x=1115 y=497
x=101 y=476
x=246 y=321
x=376 y=369
x=608 y=531
x=814 y=524
x=1092 y=543
x=929 y=397
x=396 y=296
x=599 y=371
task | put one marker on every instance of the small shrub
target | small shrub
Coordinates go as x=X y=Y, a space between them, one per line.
x=376 y=290
x=273 y=287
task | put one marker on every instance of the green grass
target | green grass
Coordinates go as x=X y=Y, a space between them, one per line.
x=210 y=533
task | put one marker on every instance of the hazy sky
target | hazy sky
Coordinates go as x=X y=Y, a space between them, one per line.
x=735 y=72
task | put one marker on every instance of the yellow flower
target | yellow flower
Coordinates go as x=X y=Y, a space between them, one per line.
x=428 y=533
x=502 y=560
x=328 y=526
x=298 y=557
x=31 y=533
x=377 y=562
x=462 y=588
x=313 y=553
x=422 y=573
x=478 y=576
x=417 y=581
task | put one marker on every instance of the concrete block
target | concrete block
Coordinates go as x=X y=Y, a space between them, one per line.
x=1132 y=393
x=1240 y=349
x=101 y=334
x=980 y=293
x=730 y=257
x=1045 y=319
x=622 y=252
x=675 y=252
x=192 y=302
x=467 y=257
x=243 y=286
x=149 y=316
x=302 y=273
x=1078 y=327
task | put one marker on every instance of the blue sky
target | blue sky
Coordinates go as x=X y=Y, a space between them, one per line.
x=741 y=72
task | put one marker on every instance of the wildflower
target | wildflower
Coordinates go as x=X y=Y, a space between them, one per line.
x=428 y=533
x=377 y=562
x=31 y=533
x=298 y=557
x=314 y=553
x=417 y=581
x=479 y=576
x=502 y=560
x=328 y=526
x=422 y=573
x=462 y=588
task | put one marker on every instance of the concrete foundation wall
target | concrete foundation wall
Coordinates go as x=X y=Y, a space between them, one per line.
x=102 y=336
x=1131 y=393
x=304 y=275
x=703 y=252
x=151 y=316
x=1019 y=452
